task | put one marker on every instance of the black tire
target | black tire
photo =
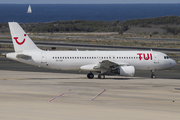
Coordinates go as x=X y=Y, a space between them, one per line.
x=90 y=75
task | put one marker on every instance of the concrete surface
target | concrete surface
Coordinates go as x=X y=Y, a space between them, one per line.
x=26 y=96
x=25 y=92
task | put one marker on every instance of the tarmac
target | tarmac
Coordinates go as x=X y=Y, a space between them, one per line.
x=32 y=93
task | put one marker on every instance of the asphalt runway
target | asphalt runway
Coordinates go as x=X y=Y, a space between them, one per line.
x=28 y=92
x=32 y=93
x=28 y=95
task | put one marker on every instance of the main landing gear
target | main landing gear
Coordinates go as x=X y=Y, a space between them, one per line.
x=153 y=74
x=101 y=76
x=91 y=76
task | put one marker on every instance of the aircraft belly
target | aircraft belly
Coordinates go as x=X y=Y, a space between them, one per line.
x=64 y=65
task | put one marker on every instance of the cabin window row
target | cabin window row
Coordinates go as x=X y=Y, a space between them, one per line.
x=97 y=57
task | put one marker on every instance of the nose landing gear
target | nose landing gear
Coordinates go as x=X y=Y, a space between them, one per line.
x=153 y=74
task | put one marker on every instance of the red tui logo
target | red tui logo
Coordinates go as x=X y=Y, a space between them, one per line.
x=20 y=43
x=149 y=56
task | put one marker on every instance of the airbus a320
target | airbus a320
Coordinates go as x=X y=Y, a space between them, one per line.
x=122 y=63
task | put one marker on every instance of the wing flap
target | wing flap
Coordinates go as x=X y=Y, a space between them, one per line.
x=106 y=64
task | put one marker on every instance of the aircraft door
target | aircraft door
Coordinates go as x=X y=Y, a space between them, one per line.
x=156 y=58
x=43 y=58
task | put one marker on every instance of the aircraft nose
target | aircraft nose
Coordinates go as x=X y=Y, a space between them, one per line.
x=173 y=63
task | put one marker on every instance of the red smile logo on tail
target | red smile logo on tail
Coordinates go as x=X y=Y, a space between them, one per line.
x=19 y=43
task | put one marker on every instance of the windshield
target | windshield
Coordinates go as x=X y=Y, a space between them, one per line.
x=166 y=57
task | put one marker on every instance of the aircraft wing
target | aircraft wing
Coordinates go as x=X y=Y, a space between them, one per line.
x=106 y=64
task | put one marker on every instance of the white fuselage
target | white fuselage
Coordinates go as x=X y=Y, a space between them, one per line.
x=73 y=60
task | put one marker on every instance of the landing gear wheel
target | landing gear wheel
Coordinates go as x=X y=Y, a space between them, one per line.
x=101 y=76
x=153 y=74
x=90 y=75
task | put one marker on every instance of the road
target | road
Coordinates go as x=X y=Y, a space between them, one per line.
x=59 y=44
x=107 y=38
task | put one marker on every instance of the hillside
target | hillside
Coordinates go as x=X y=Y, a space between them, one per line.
x=167 y=24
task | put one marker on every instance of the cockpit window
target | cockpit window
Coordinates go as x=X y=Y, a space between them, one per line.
x=166 y=57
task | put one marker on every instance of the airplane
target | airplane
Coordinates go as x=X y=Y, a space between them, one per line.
x=122 y=63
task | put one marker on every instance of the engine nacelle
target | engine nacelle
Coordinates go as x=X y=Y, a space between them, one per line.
x=124 y=71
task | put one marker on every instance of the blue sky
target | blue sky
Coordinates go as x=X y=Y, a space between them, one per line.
x=84 y=1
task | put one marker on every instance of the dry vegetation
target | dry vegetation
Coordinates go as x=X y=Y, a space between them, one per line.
x=106 y=32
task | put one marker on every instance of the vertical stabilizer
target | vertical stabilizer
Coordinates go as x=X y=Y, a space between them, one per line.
x=21 y=40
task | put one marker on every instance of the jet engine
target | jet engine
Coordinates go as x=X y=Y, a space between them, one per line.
x=124 y=70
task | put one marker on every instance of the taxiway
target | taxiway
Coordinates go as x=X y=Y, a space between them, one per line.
x=26 y=92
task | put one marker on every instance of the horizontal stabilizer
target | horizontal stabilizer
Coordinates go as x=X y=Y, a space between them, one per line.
x=4 y=54
x=25 y=57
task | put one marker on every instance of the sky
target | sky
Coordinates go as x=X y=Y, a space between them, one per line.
x=85 y=1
